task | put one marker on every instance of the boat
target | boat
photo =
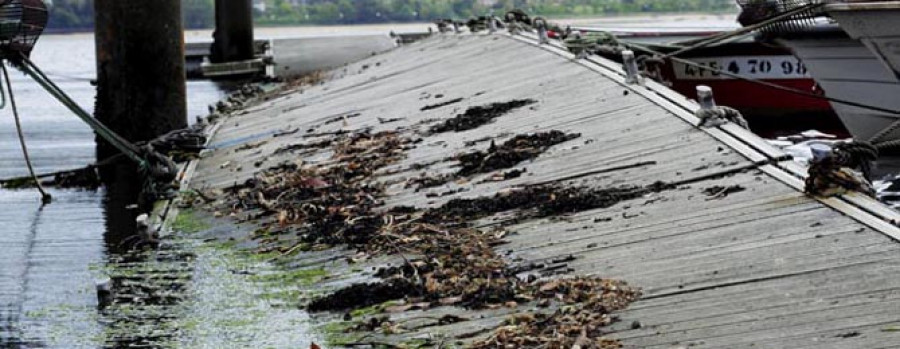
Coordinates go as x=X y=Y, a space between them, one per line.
x=771 y=112
x=844 y=67
x=748 y=59
x=874 y=23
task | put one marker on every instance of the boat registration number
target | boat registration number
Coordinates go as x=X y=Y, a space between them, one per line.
x=755 y=67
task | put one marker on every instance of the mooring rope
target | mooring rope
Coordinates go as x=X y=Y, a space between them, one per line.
x=129 y=149
x=856 y=154
x=826 y=174
x=158 y=170
x=45 y=197
x=879 y=137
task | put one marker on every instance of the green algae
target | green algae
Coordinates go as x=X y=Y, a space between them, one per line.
x=373 y=310
x=416 y=344
x=17 y=183
x=188 y=223
x=303 y=277
x=340 y=333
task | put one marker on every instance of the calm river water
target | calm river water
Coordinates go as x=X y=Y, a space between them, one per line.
x=49 y=255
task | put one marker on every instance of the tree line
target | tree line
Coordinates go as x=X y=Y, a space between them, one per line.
x=78 y=14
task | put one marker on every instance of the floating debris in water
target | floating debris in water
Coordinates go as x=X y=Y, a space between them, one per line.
x=476 y=117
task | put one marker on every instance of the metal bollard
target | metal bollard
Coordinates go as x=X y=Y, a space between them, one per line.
x=705 y=97
x=819 y=151
x=543 y=38
x=631 y=70
x=582 y=54
x=456 y=27
x=492 y=24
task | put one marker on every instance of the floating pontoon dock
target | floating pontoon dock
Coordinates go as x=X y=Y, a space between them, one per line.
x=762 y=267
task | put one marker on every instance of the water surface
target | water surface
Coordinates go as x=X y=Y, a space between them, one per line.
x=49 y=254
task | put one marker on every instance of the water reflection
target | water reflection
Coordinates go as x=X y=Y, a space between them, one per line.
x=13 y=317
x=51 y=257
x=119 y=205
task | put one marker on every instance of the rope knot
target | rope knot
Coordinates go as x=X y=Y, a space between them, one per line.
x=719 y=115
x=835 y=172
x=160 y=173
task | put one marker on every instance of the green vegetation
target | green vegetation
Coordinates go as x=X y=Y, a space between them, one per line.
x=296 y=277
x=372 y=310
x=282 y=12
x=77 y=14
x=18 y=183
x=186 y=222
x=338 y=333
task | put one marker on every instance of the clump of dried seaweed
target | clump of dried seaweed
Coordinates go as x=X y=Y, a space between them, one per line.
x=445 y=263
x=512 y=152
x=476 y=117
x=327 y=204
x=539 y=201
x=584 y=309
x=364 y=295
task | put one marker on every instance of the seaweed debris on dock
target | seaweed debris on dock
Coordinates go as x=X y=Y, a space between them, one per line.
x=631 y=226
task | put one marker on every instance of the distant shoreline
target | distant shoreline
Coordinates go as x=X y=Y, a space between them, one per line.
x=337 y=29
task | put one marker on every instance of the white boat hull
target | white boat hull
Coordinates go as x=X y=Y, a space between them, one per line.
x=845 y=69
x=875 y=24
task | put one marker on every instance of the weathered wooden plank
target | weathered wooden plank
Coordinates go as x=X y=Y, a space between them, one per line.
x=767 y=265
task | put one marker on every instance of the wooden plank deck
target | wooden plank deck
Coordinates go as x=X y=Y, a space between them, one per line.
x=764 y=267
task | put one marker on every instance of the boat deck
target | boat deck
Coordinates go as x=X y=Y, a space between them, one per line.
x=765 y=266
